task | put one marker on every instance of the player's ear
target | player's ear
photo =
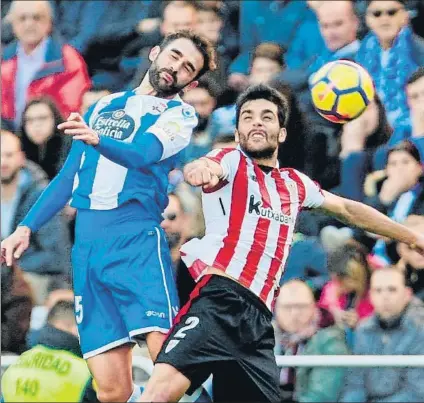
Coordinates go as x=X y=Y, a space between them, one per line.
x=154 y=53
x=282 y=135
x=236 y=136
x=190 y=86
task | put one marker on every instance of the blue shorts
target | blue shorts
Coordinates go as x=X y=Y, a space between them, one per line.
x=123 y=282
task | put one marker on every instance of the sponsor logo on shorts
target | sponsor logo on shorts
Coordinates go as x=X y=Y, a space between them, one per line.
x=116 y=124
x=154 y=313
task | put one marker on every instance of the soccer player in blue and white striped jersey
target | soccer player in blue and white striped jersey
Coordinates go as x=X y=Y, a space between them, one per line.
x=116 y=176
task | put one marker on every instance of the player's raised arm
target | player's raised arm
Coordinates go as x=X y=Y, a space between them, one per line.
x=369 y=219
x=51 y=201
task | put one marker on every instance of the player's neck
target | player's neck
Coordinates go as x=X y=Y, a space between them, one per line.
x=266 y=162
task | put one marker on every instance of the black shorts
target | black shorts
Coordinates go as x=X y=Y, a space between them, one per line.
x=225 y=330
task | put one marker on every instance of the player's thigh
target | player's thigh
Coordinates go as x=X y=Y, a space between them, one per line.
x=235 y=381
x=165 y=384
x=113 y=365
x=196 y=342
x=100 y=326
x=140 y=276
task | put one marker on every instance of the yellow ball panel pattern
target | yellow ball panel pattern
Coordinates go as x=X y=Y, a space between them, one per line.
x=344 y=77
x=350 y=105
x=323 y=96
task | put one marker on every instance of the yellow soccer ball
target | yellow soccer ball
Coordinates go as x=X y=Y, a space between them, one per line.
x=341 y=91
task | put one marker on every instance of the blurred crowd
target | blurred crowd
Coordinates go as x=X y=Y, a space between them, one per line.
x=345 y=291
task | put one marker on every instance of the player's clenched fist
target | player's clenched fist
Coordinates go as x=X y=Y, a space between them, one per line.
x=76 y=127
x=14 y=245
x=198 y=173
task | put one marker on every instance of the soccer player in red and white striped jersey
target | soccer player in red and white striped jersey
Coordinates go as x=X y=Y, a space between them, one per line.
x=250 y=206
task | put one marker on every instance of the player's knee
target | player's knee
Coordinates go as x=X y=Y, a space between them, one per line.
x=114 y=393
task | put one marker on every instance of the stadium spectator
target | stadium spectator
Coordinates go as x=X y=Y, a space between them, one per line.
x=397 y=327
x=346 y=296
x=307 y=262
x=209 y=24
x=53 y=370
x=398 y=191
x=40 y=313
x=359 y=140
x=414 y=130
x=16 y=306
x=203 y=98
x=49 y=253
x=291 y=24
x=413 y=262
x=391 y=52
x=304 y=329
x=119 y=24
x=39 y=64
x=77 y=22
x=267 y=61
x=42 y=142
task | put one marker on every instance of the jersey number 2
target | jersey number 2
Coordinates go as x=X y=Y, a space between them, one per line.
x=191 y=323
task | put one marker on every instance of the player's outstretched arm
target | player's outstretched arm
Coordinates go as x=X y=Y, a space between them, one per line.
x=369 y=219
x=50 y=202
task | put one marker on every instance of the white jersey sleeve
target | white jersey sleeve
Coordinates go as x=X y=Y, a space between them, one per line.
x=174 y=129
x=314 y=197
x=229 y=159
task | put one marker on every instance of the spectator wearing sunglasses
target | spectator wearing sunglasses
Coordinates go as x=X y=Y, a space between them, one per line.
x=391 y=52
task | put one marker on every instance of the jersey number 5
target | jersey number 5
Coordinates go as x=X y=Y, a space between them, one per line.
x=79 y=312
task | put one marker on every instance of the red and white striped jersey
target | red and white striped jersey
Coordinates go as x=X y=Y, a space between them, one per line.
x=250 y=218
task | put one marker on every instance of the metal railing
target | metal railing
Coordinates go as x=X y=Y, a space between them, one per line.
x=394 y=361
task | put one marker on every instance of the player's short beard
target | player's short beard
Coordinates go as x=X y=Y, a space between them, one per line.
x=163 y=90
x=265 y=153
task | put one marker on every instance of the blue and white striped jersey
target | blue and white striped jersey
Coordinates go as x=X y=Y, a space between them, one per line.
x=102 y=184
x=140 y=138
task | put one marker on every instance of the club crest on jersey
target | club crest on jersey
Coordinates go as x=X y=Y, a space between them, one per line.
x=116 y=124
x=255 y=207
x=188 y=112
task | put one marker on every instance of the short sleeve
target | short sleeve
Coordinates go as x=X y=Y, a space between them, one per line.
x=228 y=158
x=314 y=196
x=174 y=129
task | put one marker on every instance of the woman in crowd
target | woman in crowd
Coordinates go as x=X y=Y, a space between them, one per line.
x=41 y=140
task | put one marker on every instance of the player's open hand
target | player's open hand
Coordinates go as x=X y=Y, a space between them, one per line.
x=14 y=245
x=199 y=174
x=79 y=130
